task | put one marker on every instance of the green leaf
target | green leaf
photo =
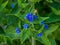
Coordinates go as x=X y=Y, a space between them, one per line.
x=24 y=5
x=57 y=12
x=1 y=1
x=38 y=21
x=51 y=19
x=3 y=6
x=57 y=34
x=45 y=40
x=52 y=28
x=25 y=34
x=11 y=32
x=41 y=29
x=52 y=39
x=35 y=0
x=12 y=19
x=2 y=38
x=44 y=18
x=19 y=2
x=15 y=11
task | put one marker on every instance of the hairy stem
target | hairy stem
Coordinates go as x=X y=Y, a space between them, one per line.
x=33 y=41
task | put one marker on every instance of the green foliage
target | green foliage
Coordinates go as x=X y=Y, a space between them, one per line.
x=34 y=1
x=3 y=5
x=51 y=29
x=45 y=10
x=25 y=34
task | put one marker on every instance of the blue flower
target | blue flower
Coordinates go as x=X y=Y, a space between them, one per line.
x=17 y=30
x=34 y=16
x=12 y=6
x=40 y=34
x=29 y=17
x=46 y=26
x=42 y=22
x=25 y=26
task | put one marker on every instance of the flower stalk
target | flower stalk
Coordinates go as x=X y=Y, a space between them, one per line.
x=33 y=41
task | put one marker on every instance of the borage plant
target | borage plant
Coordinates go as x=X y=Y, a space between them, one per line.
x=29 y=22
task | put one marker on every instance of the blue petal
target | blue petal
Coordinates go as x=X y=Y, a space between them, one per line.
x=46 y=26
x=42 y=22
x=25 y=26
x=29 y=16
x=12 y=6
x=40 y=34
x=17 y=30
x=34 y=17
